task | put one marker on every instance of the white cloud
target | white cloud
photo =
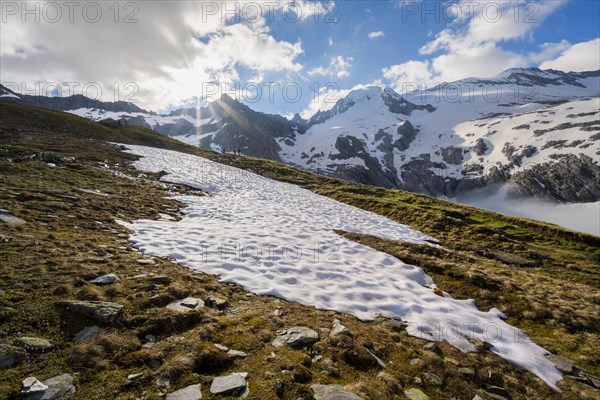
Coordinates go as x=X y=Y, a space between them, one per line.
x=338 y=67
x=173 y=49
x=472 y=44
x=375 y=35
x=584 y=56
x=549 y=51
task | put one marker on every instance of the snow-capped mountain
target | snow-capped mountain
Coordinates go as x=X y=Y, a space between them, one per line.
x=537 y=131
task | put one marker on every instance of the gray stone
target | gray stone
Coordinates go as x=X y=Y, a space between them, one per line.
x=237 y=354
x=59 y=387
x=192 y=392
x=416 y=361
x=433 y=379
x=33 y=343
x=296 y=336
x=415 y=394
x=216 y=302
x=561 y=363
x=11 y=355
x=105 y=280
x=333 y=392
x=31 y=385
x=466 y=371
x=88 y=333
x=146 y=261
x=221 y=347
x=339 y=329
x=186 y=305
x=9 y=219
x=229 y=384
x=135 y=377
x=96 y=310
x=160 y=279
x=395 y=324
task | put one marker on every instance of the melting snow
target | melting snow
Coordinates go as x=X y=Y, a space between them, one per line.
x=277 y=239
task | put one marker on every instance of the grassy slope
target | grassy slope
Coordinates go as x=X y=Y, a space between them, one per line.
x=544 y=277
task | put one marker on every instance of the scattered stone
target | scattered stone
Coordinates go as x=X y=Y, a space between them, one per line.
x=135 y=377
x=237 y=354
x=186 y=305
x=192 y=392
x=57 y=388
x=438 y=292
x=433 y=379
x=279 y=312
x=146 y=261
x=31 y=385
x=296 y=336
x=221 y=347
x=216 y=302
x=466 y=371
x=105 y=280
x=395 y=325
x=99 y=311
x=333 y=392
x=379 y=360
x=11 y=355
x=160 y=279
x=9 y=219
x=563 y=364
x=415 y=394
x=229 y=384
x=316 y=358
x=451 y=361
x=33 y=343
x=88 y=333
x=339 y=329
x=431 y=346
x=416 y=361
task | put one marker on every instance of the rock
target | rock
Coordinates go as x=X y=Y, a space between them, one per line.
x=58 y=388
x=229 y=384
x=415 y=394
x=31 y=385
x=563 y=364
x=278 y=313
x=11 y=355
x=431 y=346
x=146 y=261
x=377 y=359
x=433 y=379
x=9 y=219
x=296 y=336
x=216 y=302
x=221 y=347
x=438 y=291
x=333 y=392
x=192 y=392
x=99 y=311
x=466 y=371
x=186 y=305
x=33 y=343
x=105 y=280
x=88 y=333
x=237 y=354
x=135 y=377
x=339 y=329
x=416 y=361
x=395 y=325
x=160 y=279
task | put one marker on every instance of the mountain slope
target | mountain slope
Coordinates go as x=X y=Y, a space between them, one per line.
x=543 y=277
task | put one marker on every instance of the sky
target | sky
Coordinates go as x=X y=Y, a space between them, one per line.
x=279 y=56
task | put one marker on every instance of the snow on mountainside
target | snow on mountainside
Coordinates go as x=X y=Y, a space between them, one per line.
x=273 y=254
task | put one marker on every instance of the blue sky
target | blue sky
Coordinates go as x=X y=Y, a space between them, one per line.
x=177 y=53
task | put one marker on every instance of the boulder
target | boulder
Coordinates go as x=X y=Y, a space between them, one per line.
x=192 y=392
x=296 y=336
x=33 y=343
x=333 y=392
x=339 y=329
x=31 y=385
x=99 y=311
x=58 y=387
x=11 y=355
x=186 y=305
x=105 y=280
x=229 y=384
x=415 y=394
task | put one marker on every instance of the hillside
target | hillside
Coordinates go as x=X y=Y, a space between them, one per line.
x=75 y=195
